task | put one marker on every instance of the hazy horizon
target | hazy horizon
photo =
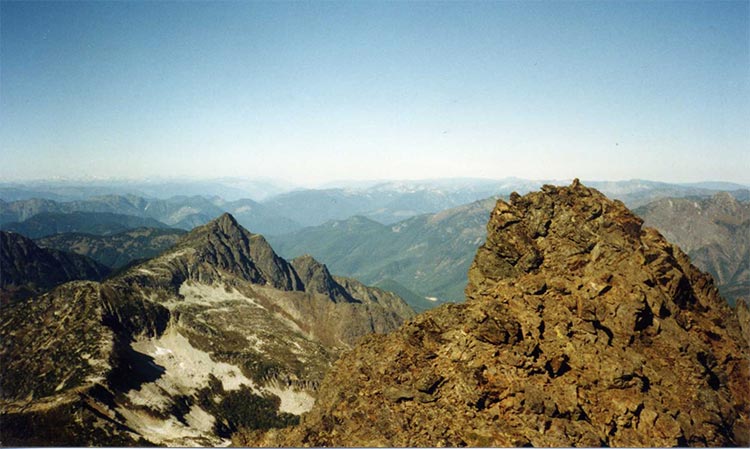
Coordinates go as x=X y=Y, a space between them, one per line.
x=315 y=93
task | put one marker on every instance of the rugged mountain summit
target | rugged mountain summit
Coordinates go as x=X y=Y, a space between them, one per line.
x=581 y=328
x=222 y=247
x=214 y=335
x=25 y=268
x=714 y=232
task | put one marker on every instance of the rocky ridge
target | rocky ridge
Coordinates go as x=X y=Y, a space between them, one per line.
x=27 y=269
x=116 y=250
x=581 y=328
x=216 y=334
x=714 y=232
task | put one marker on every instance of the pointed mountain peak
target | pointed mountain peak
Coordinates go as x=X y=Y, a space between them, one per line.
x=308 y=262
x=224 y=228
x=226 y=223
x=317 y=279
x=223 y=246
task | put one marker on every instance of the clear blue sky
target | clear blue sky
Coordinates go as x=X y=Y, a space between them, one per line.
x=313 y=91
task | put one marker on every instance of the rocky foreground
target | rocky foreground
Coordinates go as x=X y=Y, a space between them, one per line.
x=581 y=328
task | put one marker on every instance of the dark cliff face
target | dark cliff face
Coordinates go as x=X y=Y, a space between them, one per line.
x=25 y=268
x=317 y=279
x=581 y=328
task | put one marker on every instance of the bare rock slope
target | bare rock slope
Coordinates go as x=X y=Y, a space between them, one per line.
x=581 y=328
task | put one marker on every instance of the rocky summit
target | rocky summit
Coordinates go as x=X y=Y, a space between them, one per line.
x=214 y=336
x=581 y=328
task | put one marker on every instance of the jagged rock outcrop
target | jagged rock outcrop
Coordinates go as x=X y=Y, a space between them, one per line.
x=26 y=269
x=581 y=328
x=743 y=315
x=214 y=335
x=714 y=232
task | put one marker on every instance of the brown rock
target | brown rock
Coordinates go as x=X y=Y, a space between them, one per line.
x=627 y=344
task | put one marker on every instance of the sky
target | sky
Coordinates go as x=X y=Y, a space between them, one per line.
x=310 y=92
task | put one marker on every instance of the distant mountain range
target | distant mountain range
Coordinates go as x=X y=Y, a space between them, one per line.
x=72 y=190
x=181 y=212
x=275 y=209
x=379 y=232
x=97 y=223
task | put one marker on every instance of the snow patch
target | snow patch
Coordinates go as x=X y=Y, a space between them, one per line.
x=292 y=401
x=172 y=433
x=209 y=295
x=176 y=254
x=187 y=368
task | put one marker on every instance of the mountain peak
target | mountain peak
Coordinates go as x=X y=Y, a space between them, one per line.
x=226 y=223
x=227 y=219
x=577 y=218
x=318 y=279
x=580 y=328
x=224 y=246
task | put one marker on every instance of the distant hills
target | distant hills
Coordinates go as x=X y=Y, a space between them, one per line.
x=72 y=190
x=97 y=223
x=184 y=212
x=271 y=208
x=426 y=256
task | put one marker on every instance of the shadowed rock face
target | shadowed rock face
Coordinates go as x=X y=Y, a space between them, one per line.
x=714 y=232
x=214 y=335
x=25 y=268
x=581 y=328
